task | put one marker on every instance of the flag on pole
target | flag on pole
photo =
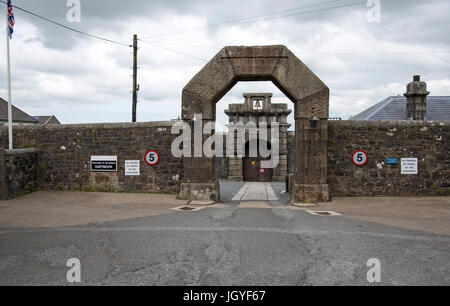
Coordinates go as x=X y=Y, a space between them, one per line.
x=9 y=31
x=11 y=20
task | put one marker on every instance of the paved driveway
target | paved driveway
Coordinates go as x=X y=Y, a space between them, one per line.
x=253 y=243
x=232 y=192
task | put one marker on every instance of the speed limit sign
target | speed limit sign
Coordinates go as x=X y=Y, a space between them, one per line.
x=151 y=158
x=360 y=158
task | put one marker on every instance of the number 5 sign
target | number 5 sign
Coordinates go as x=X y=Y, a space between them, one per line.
x=360 y=158
x=151 y=158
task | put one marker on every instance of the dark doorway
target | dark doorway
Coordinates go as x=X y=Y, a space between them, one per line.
x=251 y=166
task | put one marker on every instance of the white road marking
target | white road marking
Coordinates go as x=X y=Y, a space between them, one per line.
x=270 y=193
x=240 y=193
x=255 y=191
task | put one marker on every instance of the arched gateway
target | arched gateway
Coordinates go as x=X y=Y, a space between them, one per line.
x=308 y=93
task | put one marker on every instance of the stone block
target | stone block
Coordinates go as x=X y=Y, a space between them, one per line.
x=200 y=191
x=309 y=193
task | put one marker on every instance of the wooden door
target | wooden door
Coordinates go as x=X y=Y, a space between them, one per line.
x=250 y=168
x=265 y=174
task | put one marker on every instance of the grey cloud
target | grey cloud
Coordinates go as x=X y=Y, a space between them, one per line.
x=412 y=25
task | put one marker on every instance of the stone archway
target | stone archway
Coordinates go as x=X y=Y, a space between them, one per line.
x=308 y=93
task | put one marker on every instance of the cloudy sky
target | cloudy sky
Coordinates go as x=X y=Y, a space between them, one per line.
x=80 y=79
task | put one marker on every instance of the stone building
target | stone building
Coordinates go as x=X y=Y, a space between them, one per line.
x=259 y=110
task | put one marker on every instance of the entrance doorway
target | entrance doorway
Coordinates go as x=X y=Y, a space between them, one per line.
x=252 y=170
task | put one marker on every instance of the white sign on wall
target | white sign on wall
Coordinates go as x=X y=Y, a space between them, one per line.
x=132 y=167
x=409 y=165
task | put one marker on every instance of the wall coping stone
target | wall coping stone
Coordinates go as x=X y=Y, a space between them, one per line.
x=21 y=151
x=118 y=125
x=168 y=123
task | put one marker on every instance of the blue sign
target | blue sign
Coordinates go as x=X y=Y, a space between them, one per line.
x=392 y=161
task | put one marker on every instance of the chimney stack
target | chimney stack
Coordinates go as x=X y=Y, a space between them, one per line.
x=416 y=99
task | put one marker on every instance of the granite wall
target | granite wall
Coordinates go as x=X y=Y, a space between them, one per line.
x=65 y=151
x=427 y=141
x=18 y=172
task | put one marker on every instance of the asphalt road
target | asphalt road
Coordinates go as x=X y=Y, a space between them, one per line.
x=225 y=246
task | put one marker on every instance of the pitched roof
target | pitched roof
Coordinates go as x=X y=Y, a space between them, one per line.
x=47 y=119
x=17 y=114
x=394 y=108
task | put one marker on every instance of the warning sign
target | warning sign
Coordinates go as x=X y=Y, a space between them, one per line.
x=409 y=165
x=132 y=168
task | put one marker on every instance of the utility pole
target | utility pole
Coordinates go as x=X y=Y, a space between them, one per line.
x=135 y=85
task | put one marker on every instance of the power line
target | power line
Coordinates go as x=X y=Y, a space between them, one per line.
x=324 y=53
x=374 y=53
x=175 y=51
x=246 y=20
x=68 y=28
x=186 y=45
x=234 y=21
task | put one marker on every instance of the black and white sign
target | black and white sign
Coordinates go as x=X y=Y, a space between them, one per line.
x=409 y=165
x=104 y=163
x=132 y=167
x=360 y=158
x=152 y=158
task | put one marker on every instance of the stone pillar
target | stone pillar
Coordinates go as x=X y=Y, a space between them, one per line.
x=416 y=99
x=235 y=168
x=280 y=171
x=3 y=189
x=199 y=173
x=311 y=131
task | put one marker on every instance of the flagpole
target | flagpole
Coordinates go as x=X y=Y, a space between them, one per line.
x=8 y=63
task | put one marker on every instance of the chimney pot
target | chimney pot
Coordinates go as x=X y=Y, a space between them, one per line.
x=416 y=99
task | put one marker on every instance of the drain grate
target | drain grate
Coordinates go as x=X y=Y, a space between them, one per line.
x=323 y=213
x=187 y=208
